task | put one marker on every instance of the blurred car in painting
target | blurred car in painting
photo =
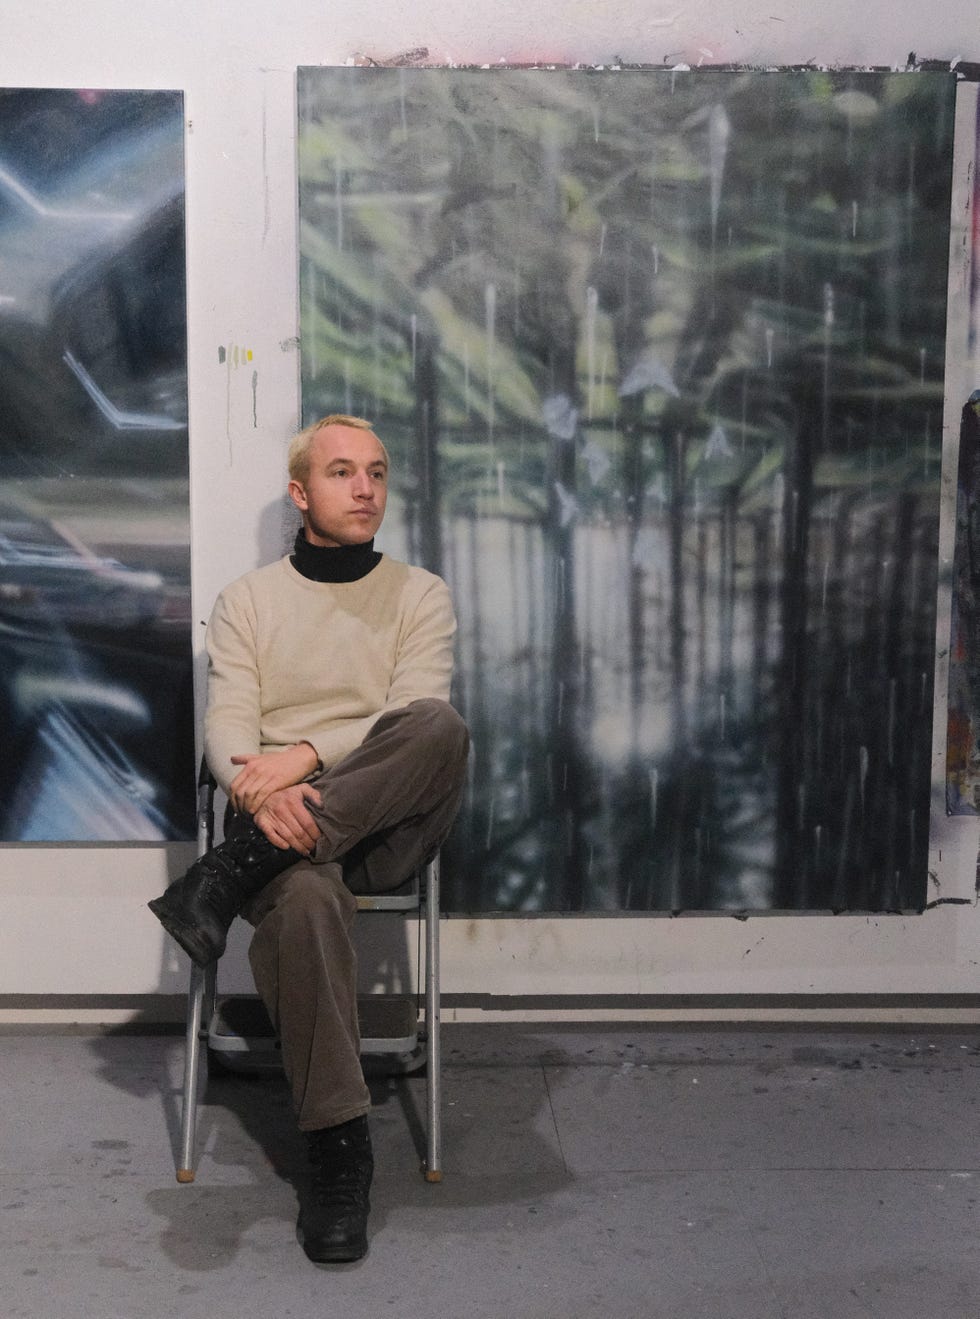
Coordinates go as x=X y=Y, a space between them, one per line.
x=92 y=308
x=92 y=737
x=47 y=574
x=95 y=659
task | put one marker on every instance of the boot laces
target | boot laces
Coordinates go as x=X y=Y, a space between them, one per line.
x=341 y=1176
x=216 y=892
x=242 y=847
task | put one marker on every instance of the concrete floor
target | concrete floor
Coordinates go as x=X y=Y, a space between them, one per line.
x=622 y=1173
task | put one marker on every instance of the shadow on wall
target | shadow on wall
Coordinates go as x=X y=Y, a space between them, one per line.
x=278 y=524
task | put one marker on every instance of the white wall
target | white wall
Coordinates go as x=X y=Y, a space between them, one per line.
x=73 y=919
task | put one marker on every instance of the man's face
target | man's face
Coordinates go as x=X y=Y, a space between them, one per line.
x=343 y=498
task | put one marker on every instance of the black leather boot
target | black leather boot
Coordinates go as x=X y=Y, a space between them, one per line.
x=333 y=1218
x=198 y=909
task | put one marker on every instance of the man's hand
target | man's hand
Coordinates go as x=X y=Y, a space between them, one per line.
x=269 y=772
x=285 y=820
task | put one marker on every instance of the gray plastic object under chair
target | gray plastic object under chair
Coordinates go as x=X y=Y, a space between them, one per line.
x=239 y=1036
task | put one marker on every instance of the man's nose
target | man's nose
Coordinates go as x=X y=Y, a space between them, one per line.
x=362 y=484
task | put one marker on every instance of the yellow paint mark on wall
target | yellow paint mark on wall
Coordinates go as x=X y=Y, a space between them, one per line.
x=234 y=355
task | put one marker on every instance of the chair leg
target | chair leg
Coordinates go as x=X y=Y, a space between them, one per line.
x=192 y=1054
x=433 y=1161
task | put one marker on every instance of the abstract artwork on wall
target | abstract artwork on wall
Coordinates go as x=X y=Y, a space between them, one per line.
x=660 y=360
x=95 y=663
x=963 y=727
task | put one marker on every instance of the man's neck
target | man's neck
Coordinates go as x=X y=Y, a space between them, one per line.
x=333 y=563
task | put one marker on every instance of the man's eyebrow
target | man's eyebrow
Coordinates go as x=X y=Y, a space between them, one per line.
x=349 y=462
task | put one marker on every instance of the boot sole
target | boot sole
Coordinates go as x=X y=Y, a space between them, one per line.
x=198 y=950
x=335 y=1254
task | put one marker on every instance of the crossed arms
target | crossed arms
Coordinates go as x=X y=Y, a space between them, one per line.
x=296 y=682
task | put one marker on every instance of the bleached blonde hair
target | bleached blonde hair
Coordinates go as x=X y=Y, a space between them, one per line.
x=298 y=458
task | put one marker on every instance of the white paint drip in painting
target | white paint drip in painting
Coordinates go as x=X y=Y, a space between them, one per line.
x=591 y=310
x=568 y=504
x=719 y=131
x=339 y=204
x=490 y=301
x=778 y=501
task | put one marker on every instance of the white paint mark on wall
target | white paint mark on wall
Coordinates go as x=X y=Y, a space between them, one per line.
x=232 y=356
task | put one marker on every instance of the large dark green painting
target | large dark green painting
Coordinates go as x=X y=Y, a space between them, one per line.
x=659 y=357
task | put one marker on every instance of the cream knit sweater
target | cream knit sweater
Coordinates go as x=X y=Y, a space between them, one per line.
x=293 y=660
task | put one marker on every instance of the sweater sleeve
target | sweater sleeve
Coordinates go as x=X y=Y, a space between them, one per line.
x=423 y=668
x=424 y=664
x=233 y=716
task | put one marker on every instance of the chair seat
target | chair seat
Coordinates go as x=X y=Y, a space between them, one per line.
x=242 y=1038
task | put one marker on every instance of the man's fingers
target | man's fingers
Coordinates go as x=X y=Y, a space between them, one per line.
x=276 y=838
x=302 y=836
x=285 y=820
x=281 y=836
x=255 y=799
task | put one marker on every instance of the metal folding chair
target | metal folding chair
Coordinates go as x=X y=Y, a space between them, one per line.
x=237 y=1032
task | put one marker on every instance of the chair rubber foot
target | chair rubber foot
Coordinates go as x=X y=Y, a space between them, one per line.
x=185 y=1175
x=432 y=1174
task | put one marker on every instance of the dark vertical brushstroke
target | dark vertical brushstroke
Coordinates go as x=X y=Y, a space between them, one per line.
x=564 y=697
x=792 y=870
x=761 y=595
x=428 y=486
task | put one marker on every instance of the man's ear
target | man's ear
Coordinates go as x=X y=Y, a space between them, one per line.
x=297 y=494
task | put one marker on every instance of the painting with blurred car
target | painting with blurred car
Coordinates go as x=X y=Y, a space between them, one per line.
x=95 y=654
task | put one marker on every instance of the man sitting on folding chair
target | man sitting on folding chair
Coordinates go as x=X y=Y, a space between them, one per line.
x=328 y=725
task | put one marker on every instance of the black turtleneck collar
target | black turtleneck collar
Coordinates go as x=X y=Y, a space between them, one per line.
x=333 y=563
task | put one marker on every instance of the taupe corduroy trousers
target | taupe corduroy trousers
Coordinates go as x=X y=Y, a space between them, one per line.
x=386 y=808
